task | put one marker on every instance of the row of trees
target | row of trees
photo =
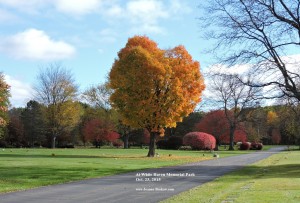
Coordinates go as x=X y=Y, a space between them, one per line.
x=28 y=127
x=154 y=89
x=98 y=123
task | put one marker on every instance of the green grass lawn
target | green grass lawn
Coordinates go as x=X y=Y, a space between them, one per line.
x=275 y=179
x=28 y=168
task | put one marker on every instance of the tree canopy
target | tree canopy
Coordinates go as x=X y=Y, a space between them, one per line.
x=4 y=102
x=154 y=88
x=57 y=90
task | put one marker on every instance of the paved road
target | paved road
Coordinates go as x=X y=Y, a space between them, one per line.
x=150 y=185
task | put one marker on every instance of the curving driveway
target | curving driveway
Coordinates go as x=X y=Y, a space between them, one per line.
x=150 y=185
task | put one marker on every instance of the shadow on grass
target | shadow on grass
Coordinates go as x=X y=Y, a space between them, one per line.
x=29 y=177
x=66 y=156
x=276 y=171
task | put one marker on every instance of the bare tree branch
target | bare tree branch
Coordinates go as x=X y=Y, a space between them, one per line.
x=257 y=32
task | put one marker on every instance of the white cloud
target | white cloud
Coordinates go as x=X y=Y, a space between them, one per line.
x=144 y=16
x=147 y=11
x=35 y=45
x=21 y=92
x=72 y=7
x=77 y=7
x=176 y=6
x=29 y=6
x=6 y=16
x=108 y=36
x=115 y=10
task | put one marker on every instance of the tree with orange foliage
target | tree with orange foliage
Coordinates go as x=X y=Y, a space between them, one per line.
x=4 y=102
x=272 y=118
x=154 y=88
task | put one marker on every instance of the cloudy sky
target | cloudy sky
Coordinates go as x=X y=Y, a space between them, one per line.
x=85 y=36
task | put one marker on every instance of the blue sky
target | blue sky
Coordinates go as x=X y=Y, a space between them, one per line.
x=85 y=36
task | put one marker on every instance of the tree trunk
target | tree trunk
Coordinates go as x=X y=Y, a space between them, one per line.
x=126 y=137
x=231 y=136
x=53 y=142
x=217 y=145
x=151 y=152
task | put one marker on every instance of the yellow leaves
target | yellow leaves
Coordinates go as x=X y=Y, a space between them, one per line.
x=64 y=115
x=2 y=122
x=4 y=102
x=272 y=118
x=154 y=87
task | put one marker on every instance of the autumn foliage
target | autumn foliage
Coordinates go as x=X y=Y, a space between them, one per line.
x=199 y=140
x=216 y=124
x=276 y=137
x=100 y=131
x=154 y=88
x=4 y=94
x=256 y=146
x=245 y=146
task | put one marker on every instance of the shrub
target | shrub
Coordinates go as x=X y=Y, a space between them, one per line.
x=162 y=144
x=245 y=146
x=256 y=146
x=260 y=146
x=118 y=143
x=3 y=143
x=185 y=148
x=199 y=141
x=174 y=142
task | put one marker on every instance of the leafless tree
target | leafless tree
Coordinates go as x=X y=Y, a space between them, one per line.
x=261 y=33
x=55 y=84
x=56 y=89
x=234 y=97
x=98 y=96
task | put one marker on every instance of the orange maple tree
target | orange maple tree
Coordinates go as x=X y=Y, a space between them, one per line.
x=4 y=102
x=154 y=88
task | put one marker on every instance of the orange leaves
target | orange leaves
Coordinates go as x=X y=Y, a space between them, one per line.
x=154 y=88
x=272 y=118
x=4 y=95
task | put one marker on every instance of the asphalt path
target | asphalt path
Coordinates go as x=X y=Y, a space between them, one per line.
x=151 y=185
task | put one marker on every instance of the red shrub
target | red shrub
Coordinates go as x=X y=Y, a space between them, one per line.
x=256 y=146
x=199 y=140
x=100 y=131
x=118 y=143
x=259 y=146
x=245 y=146
x=216 y=124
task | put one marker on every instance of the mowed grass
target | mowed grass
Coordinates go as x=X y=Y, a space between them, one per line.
x=275 y=179
x=29 y=168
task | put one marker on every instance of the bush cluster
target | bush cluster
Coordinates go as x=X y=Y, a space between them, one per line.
x=118 y=143
x=256 y=146
x=173 y=142
x=199 y=141
x=245 y=146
